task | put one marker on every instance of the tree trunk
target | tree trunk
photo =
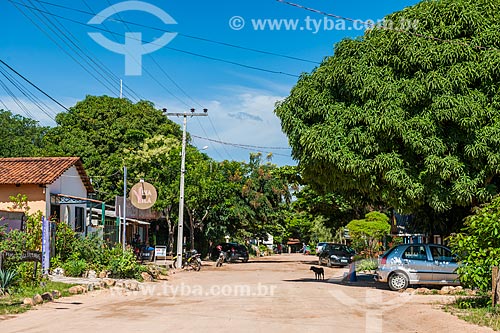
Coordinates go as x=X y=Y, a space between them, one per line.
x=171 y=228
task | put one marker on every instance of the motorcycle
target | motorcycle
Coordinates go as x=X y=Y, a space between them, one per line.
x=221 y=259
x=190 y=260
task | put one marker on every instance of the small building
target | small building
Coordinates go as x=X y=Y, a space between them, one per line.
x=56 y=186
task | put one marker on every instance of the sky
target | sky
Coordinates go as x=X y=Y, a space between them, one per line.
x=235 y=58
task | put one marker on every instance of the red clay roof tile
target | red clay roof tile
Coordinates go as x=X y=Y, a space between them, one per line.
x=39 y=170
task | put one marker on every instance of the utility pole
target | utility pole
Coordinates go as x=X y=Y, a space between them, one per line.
x=180 y=230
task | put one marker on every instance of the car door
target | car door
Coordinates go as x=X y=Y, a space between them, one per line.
x=444 y=265
x=417 y=263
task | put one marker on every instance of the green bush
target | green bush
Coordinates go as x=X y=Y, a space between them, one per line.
x=123 y=264
x=7 y=280
x=478 y=246
x=74 y=266
x=366 y=265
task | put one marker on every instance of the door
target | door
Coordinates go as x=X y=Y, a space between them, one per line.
x=444 y=265
x=417 y=262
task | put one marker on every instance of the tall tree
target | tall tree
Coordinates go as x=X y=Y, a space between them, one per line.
x=403 y=120
x=19 y=136
x=99 y=130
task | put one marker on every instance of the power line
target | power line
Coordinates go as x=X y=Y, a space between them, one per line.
x=188 y=36
x=34 y=85
x=30 y=96
x=240 y=145
x=91 y=60
x=373 y=25
x=167 y=47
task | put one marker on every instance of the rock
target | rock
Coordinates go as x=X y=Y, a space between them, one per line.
x=77 y=290
x=146 y=277
x=446 y=290
x=410 y=290
x=132 y=285
x=109 y=282
x=91 y=274
x=120 y=284
x=422 y=291
x=47 y=296
x=58 y=271
x=37 y=299
x=56 y=294
x=103 y=274
x=162 y=277
x=28 y=301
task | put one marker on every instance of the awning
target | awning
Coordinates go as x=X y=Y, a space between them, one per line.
x=112 y=214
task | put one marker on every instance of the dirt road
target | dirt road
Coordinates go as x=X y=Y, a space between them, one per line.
x=274 y=294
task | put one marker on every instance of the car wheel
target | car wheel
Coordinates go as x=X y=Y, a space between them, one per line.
x=398 y=281
x=245 y=260
x=329 y=263
x=319 y=262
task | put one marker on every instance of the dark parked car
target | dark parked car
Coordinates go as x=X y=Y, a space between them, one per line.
x=336 y=255
x=410 y=264
x=235 y=252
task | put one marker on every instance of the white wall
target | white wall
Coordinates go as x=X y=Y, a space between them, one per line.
x=69 y=183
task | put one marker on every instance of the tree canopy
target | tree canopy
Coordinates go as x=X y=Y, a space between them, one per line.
x=401 y=118
x=19 y=136
x=100 y=129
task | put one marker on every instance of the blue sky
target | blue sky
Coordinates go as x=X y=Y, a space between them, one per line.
x=178 y=76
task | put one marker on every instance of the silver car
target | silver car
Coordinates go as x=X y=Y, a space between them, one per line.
x=426 y=264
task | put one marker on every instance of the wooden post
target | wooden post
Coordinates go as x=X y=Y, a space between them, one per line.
x=494 y=286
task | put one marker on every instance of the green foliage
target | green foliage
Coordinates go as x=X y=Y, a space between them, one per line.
x=402 y=120
x=74 y=265
x=101 y=130
x=369 y=231
x=366 y=265
x=19 y=136
x=478 y=245
x=473 y=302
x=123 y=264
x=7 y=280
x=65 y=240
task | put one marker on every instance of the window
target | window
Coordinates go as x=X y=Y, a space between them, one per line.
x=442 y=254
x=79 y=219
x=415 y=253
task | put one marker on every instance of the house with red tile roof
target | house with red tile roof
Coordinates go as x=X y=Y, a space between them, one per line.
x=56 y=186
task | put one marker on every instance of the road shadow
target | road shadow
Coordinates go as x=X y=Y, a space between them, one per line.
x=361 y=281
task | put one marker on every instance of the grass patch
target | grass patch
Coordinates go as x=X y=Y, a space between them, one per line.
x=476 y=310
x=13 y=304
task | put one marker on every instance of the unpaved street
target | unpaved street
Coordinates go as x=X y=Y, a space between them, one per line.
x=274 y=294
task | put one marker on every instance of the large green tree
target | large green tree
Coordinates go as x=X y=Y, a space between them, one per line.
x=100 y=130
x=402 y=119
x=19 y=136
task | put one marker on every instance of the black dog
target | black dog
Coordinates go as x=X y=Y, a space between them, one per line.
x=318 y=272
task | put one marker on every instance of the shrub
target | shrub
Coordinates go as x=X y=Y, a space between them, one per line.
x=7 y=280
x=366 y=265
x=123 y=264
x=74 y=266
x=478 y=246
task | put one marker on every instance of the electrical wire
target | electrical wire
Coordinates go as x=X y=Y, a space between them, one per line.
x=168 y=47
x=373 y=25
x=188 y=36
x=56 y=29
x=29 y=96
x=33 y=85
x=240 y=145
